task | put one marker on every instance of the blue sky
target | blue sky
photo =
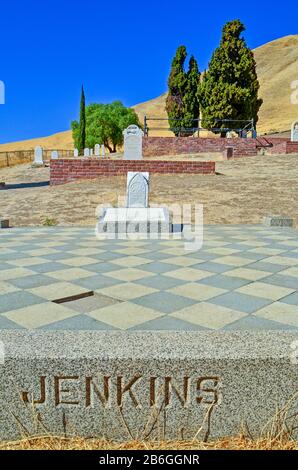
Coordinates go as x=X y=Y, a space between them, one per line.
x=118 y=49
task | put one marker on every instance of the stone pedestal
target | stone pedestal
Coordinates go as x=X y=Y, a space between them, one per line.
x=141 y=221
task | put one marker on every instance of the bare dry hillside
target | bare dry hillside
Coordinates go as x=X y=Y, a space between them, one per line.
x=277 y=64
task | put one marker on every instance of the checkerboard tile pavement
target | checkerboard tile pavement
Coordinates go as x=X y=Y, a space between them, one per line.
x=63 y=278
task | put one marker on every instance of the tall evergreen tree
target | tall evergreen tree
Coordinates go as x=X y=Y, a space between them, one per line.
x=229 y=90
x=82 y=123
x=176 y=89
x=191 y=105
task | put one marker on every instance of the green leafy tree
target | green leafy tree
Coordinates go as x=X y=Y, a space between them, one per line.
x=105 y=124
x=229 y=89
x=191 y=105
x=176 y=89
x=81 y=141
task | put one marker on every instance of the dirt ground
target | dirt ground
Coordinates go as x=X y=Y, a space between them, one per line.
x=243 y=191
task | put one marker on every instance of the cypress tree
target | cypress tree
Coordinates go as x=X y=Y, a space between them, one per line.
x=191 y=106
x=176 y=89
x=82 y=124
x=229 y=90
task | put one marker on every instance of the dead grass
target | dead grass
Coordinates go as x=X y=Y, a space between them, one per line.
x=233 y=443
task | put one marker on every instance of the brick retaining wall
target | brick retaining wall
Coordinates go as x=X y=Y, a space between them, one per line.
x=158 y=146
x=285 y=147
x=65 y=170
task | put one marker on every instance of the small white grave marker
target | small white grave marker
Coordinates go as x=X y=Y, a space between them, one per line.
x=137 y=189
x=38 y=155
x=97 y=150
x=294 y=131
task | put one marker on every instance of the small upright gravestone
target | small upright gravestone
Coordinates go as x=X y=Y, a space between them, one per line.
x=86 y=152
x=54 y=155
x=76 y=153
x=137 y=189
x=38 y=155
x=294 y=131
x=103 y=150
x=91 y=152
x=133 y=138
x=97 y=150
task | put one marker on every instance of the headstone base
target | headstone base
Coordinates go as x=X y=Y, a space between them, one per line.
x=277 y=221
x=152 y=385
x=134 y=220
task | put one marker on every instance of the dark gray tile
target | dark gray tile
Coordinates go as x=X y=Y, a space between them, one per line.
x=168 y=323
x=263 y=266
x=282 y=280
x=100 y=267
x=254 y=323
x=45 y=268
x=160 y=282
x=18 y=299
x=164 y=302
x=158 y=267
x=78 y=322
x=212 y=267
x=29 y=282
x=291 y=299
x=224 y=282
x=97 y=282
x=240 y=302
x=6 y=324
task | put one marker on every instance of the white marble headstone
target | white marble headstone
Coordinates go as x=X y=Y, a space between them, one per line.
x=38 y=155
x=54 y=155
x=91 y=152
x=97 y=150
x=137 y=189
x=103 y=151
x=76 y=153
x=133 y=138
x=86 y=152
x=294 y=131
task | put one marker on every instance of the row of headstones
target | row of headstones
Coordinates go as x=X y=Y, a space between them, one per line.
x=99 y=151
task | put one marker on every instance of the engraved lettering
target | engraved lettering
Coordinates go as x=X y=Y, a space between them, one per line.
x=208 y=390
x=59 y=400
x=170 y=386
x=152 y=391
x=127 y=388
x=102 y=396
x=42 y=383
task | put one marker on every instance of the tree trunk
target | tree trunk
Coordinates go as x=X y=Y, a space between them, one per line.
x=106 y=144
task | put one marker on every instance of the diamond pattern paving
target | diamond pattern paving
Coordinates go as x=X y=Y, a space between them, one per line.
x=243 y=278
